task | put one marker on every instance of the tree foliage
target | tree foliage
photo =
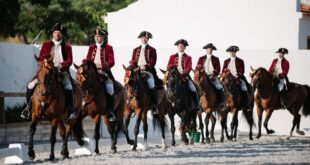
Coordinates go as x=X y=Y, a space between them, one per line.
x=26 y=18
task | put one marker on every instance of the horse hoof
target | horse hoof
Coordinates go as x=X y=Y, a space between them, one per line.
x=212 y=140
x=207 y=141
x=250 y=138
x=97 y=151
x=130 y=142
x=300 y=132
x=234 y=139
x=31 y=155
x=173 y=143
x=64 y=154
x=52 y=157
x=270 y=132
x=113 y=151
x=258 y=136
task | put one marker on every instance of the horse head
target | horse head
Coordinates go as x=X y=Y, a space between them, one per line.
x=134 y=80
x=47 y=75
x=173 y=82
x=88 y=77
x=260 y=78
x=201 y=79
x=231 y=86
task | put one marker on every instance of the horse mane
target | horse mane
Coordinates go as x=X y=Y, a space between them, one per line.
x=262 y=69
x=93 y=65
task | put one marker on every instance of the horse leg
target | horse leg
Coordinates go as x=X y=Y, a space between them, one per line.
x=136 y=130
x=163 y=127
x=97 y=134
x=53 y=138
x=171 y=117
x=145 y=129
x=111 y=127
x=298 y=125
x=250 y=120
x=259 y=111
x=213 y=120
x=201 y=128
x=64 y=135
x=207 y=128
x=127 y=117
x=223 y=124
x=236 y=123
x=32 y=131
x=268 y=115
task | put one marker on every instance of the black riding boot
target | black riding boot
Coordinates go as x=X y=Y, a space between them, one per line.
x=221 y=96
x=246 y=102
x=153 y=95
x=69 y=95
x=283 y=98
x=196 y=102
x=110 y=107
x=26 y=112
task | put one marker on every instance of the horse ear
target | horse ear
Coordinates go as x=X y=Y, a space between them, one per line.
x=162 y=71
x=76 y=66
x=252 y=69
x=124 y=67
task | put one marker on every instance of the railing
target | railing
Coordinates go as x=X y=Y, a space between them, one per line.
x=3 y=95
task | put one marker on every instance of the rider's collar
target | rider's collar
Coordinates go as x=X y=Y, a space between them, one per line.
x=181 y=53
x=56 y=42
x=208 y=55
x=143 y=46
x=233 y=58
x=99 y=45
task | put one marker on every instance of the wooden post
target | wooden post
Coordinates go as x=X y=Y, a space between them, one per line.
x=2 y=110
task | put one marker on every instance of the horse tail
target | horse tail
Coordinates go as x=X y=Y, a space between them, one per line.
x=306 y=106
x=78 y=131
x=159 y=122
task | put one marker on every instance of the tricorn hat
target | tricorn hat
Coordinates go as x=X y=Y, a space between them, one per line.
x=99 y=31
x=181 y=41
x=59 y=27
x=283 y=51
x=232 y=49
x=210 y=45
x=145 y=34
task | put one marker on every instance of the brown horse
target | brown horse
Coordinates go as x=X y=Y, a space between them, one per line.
x=95 y=105
x=208 y=103
x=49 y=100
x=139 y=102
x=268 y=99
x=234 y=104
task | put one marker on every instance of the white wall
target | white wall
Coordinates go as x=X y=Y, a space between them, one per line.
x=264 y=24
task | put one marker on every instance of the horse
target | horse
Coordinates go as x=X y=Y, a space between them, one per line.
x=180 y=102
x=48 y=100
x=139 y=102
x=208 y=103
x=95 y=105
x=233 y=102
x=267 y=99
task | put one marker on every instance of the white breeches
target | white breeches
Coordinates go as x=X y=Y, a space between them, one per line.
x=109 y=86
x=281 y=84
x=191 y=86
x=217 y=84
x=243 y=86
x=150 y=80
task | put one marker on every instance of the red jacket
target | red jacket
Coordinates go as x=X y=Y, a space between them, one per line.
x=285 y=67
x=149 y=54
x=106 y=55
x=215 y=63
x=186 y=62
x=66 y=51
x=239 y=66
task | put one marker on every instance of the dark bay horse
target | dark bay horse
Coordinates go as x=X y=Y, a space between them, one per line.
x=234 y=104
x=139 y=103
x=95 y=105
x=268 y=99
x=180 y=102
x=49 y=100
x=208 y=103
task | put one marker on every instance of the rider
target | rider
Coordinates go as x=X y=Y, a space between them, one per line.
x=62 y=58
x=102 y=55
x=279 y=69
x=184 y=66
x=236 y=67
x=211 y=65
x=145 y=56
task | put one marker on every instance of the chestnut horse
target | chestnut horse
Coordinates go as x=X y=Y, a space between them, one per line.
x=180 y=102
x=139 y=102
x=48 y=100
x=208 y=103
x=234 y=104
x=268 y=99
x=95 y=105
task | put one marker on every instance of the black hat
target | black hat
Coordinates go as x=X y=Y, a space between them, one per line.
x=59 y=27
x=181 y=41
x=210 y=45
x=283 y=51
x=232 y=49
x=145 y=34
x=99 y=31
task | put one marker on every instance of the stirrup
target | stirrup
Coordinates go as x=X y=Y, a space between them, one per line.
x=72 y=116
x=112 y=117
x=155 y=110
x=25 y=113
